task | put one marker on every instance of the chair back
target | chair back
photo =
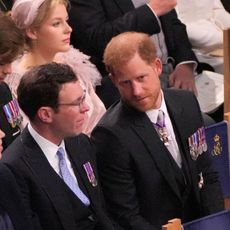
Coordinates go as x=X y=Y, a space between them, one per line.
x=217 y=141
x=217 y=221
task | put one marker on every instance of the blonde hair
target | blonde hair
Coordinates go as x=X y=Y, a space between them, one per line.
x=31 y=14
x=124 y=46
x=45 y=9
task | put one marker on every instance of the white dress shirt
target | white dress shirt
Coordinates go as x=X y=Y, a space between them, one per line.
x=173 y=146
x=50 y=151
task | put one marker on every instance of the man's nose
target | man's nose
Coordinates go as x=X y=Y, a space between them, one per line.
x=84 y=107
x=137 y=89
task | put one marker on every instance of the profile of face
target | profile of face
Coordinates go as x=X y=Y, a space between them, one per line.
x=53 y=35
x=2 y=135
x=138 y=83
x=69 y=119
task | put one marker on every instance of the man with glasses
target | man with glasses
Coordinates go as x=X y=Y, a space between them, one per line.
x=53 y=162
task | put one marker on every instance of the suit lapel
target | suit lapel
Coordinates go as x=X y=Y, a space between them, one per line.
x=80 y=156
x=178 y=119
x=143 y=127
x=125 y=5
x=53 y=186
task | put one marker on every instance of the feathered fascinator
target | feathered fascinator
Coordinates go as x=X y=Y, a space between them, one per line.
x=25 y=11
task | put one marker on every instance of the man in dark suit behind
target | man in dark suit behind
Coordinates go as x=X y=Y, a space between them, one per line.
x=56 y=169
x=11 y=45
x=13 y=214
x=95 y=22
x=152 y=169
x=12 y=210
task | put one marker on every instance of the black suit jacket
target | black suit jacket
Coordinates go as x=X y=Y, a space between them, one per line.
x=11 y=201
x=136 y=174
x=51 y=203
x=95 y=22
x=11 y=133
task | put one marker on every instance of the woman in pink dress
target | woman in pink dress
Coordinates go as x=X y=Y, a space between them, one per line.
x=47 y=32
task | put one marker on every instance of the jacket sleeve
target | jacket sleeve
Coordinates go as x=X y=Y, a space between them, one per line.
x=94 y=24
x=211 y=193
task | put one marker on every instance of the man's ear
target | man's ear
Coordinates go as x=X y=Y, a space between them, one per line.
x=45 y=114
x=31 y=33
x=112 y=78
x=157 y=64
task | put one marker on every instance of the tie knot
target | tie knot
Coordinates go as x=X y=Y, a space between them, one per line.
x=161 y=119
x=61 y=153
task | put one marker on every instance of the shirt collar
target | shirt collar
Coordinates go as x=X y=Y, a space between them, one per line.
x=48 y=148
x=153 y=113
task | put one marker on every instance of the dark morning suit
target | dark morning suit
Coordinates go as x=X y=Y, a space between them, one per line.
x=143 y=186
x=11 y=202
x=11 y=133
x=95 y=22
x=45 y=192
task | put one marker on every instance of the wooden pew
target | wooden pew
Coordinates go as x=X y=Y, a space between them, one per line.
x=226 y=47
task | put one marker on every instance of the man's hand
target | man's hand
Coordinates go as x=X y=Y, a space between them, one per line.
x=183 y=77
x=161 y=7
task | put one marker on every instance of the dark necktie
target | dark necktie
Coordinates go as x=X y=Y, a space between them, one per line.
x=68 y=178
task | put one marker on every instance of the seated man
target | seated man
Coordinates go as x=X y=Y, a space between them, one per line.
x=151 y=148
x=12 y=210
x=95 y=22
x=205 y=21
x=52 y=161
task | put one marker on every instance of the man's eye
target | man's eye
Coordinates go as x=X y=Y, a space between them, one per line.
x=141 y=78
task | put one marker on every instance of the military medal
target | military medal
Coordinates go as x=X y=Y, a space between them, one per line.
x=201 y=181
x=192 y=148
x=197 y=143
x=200 y=149
x=204 y=143
x=90 y=174
x=12 y=113
x=8 y=114
x=164 y=135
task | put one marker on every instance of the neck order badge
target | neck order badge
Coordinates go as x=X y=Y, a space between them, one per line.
x=161 y=128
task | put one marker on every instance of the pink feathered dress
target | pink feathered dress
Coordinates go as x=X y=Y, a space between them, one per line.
x=89 y=78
